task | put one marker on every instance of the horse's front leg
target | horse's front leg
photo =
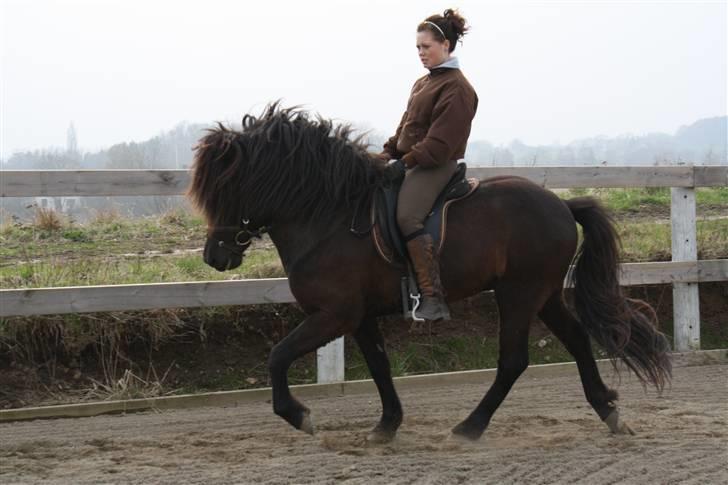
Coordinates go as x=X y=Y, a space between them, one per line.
x=316 y=330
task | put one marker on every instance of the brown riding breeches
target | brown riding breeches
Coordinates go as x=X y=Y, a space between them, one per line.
x=420 y=189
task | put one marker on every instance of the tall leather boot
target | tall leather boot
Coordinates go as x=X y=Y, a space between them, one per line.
x=427 y=269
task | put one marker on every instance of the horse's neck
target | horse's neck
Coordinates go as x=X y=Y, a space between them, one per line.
x=295 y=241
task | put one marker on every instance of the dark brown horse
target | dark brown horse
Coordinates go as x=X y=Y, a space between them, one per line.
x=301 y=179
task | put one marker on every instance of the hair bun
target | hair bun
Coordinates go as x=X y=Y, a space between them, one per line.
x=457 y=22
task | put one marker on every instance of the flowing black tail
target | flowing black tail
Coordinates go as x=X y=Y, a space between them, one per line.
x=624 y=327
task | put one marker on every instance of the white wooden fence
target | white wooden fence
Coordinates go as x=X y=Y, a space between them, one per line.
x=684 y=272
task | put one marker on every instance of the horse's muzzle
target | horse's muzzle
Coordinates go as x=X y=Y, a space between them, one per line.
x=220 y=258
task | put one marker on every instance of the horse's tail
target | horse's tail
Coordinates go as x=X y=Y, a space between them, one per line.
x=624 y=327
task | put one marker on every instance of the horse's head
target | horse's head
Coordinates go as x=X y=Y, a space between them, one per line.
x=226 y=245
x=215 y=189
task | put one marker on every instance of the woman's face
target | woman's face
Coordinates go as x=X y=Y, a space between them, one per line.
x=432 y=52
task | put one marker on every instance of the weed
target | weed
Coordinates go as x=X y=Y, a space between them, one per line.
x=47 y=219
x=176 y=217
x=75 y=235
x=128 y=386
x=192 y=265
x=105 y=217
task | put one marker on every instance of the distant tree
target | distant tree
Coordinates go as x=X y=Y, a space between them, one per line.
x=135 y=155
x=125 y=155
x=43 y=160
x=566 y=154
x=503 y=157
x=585 y=154
x=71 y=139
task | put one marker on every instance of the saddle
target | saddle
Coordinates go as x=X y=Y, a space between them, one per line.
x=385 y=231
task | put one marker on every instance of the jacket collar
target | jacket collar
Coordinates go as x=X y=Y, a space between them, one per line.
x=451 y=63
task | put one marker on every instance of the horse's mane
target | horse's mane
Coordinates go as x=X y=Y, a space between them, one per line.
x=284 y=162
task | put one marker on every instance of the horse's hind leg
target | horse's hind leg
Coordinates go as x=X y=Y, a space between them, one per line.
x=371 y=343
x=570 y=332
x=516 y=314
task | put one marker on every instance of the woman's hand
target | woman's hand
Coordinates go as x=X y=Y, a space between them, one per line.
x=394 y=171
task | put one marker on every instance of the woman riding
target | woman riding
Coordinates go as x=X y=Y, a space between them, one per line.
x=430 y=139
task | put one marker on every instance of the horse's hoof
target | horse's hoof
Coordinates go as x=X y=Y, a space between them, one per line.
x=306 y=424
x=464 y=432
x=616 y=425
x=379 y=436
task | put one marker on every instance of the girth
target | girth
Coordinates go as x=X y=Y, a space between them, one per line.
x=385 y=231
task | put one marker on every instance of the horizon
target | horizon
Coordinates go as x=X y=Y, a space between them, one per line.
x=83 y=151
x=583 y=70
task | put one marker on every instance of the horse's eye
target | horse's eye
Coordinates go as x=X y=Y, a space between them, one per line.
x=220 y=243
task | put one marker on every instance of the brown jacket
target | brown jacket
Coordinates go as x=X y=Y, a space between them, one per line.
x=436 y=125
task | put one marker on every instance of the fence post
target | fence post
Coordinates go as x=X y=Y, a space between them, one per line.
x=685 y=297
x=330 y=362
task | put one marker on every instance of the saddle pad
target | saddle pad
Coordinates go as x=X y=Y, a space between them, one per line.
x=388 y=241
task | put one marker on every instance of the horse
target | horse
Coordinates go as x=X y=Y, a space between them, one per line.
x=302 y=178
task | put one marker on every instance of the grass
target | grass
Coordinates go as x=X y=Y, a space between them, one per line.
x=44 y=264
x=713 y=195
x=634 y=200
x=651 y=241
x=454 y=353
x=54 y=251
x=55 y=271
x=106 y=234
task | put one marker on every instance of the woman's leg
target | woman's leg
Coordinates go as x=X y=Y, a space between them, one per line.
x=419 y=191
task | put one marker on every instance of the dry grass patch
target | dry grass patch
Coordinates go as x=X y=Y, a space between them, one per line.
x=47 y=219
x=105 y=216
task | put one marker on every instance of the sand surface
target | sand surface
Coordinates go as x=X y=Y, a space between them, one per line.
x=545 y=432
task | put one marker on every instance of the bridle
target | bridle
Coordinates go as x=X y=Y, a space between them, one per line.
x=243 y=239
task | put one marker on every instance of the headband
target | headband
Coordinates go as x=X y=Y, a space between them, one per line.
x=437 y=27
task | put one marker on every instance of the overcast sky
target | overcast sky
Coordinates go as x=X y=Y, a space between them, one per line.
x=544 y=71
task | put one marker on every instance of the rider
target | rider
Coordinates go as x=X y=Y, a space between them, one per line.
x=430 y=139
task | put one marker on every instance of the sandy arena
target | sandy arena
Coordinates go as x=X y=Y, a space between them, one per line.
x=545 y=432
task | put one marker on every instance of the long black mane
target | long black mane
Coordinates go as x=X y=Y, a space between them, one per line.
x=284 y=163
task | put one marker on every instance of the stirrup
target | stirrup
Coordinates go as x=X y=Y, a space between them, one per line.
x=416 y=299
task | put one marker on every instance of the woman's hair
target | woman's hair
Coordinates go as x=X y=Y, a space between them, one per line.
x=450 y=23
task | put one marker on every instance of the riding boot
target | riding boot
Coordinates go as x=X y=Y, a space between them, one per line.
x=427 y=269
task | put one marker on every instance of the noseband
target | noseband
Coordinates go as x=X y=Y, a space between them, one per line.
x=243 y=238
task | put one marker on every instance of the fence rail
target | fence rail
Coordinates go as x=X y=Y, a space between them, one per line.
x=85 y=299
x=684 y=272
x=93 y=183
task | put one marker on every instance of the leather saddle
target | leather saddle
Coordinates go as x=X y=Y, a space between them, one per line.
x=385 y=231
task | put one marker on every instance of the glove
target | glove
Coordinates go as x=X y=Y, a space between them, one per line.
x=394 y=172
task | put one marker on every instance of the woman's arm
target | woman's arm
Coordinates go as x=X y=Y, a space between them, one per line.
x=390 y=146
